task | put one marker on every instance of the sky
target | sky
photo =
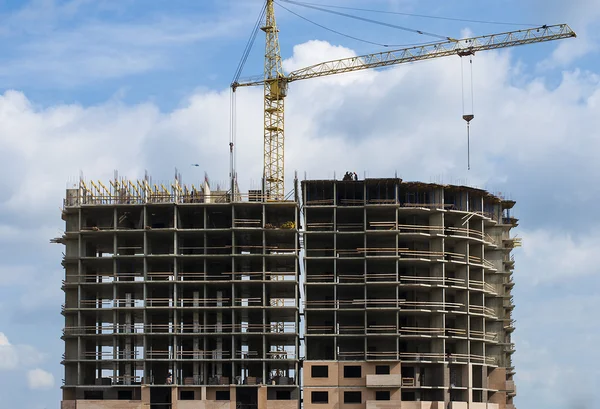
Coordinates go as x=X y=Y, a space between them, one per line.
x=90 y=86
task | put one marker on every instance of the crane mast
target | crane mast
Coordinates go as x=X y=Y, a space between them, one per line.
x=275 y=89
x=276 y=82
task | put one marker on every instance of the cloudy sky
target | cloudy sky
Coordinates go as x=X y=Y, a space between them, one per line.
x=97 y=85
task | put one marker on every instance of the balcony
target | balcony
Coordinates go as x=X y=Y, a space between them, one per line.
x=512 y=242
x=509 y=260
x=508 y=303
x=510 y=326
x=510 y=220
x=485 y=336
x=383 y=381
x=510 y=387
x=482 y=286
x=509 y=283
x=478 y=309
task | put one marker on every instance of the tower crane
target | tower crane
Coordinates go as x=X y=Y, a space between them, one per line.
x=276 y=82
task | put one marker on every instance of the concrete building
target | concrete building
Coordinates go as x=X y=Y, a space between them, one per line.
x=179 y=297
x=407 y=296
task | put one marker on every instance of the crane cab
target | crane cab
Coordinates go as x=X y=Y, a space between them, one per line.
x=277 y=88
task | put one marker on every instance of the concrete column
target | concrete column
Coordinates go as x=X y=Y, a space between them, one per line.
x=174 y=397
x=196 y=341
x=262 y=397
x=219 y=351
x=146 y=396
x=127 y=353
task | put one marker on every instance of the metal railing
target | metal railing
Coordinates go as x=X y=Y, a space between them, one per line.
x=479 y=309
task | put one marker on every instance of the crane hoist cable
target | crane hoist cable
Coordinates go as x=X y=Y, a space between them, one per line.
x=343 y=34
x=249 y=44
x=468 y=117
x=233 y=96
x=368 y=20
x=420 y=15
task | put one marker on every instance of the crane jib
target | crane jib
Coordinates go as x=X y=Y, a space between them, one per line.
x=463 y=47
x=275 y=82
x=467 y=46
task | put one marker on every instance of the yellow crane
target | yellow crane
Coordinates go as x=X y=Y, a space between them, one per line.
x=276 y=82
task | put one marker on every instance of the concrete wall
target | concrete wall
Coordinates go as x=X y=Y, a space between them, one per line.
x=281 y=404
x=497 y=379
x=336 y=374
x=332 y=372
x=68 y=404
x=479 y=405
x=191 y=404
x=197 y=392
x=218 y=404
x=211 y=393
x=351 y=381
x=370 y=394
x=109 y=404
x=381 y=404
x=333 y=398
x=363 y=398
x=499 y=398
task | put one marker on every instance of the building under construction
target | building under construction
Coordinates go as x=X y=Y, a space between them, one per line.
x=183 y=297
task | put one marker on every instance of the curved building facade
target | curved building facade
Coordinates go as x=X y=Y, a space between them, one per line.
x=407 y=296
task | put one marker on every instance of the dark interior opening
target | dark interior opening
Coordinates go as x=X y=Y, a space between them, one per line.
x=352 y=371
x=408 y=396
x=382 y=370
x=382 y=395
x=222 y=395
x=283 y=395
x=319 y=397
x=93 y=395
x=319 y=371
x=247 y=398
x=352 y=397
x=160 y=398
x=186 y=395
x=124 y=395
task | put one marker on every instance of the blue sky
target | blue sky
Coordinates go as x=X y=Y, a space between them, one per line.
x=98 y=85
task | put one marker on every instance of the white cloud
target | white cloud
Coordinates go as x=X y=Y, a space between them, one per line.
x=552 y=365
x=14 y=356
x=314 y=52
x=551 y=256
x=39 y=379
x=583 y=16
x=569 y=51
x=11 y=356
x=8 y=355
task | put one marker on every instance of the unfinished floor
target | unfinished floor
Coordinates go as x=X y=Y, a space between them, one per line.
x=177 y=297
x=407 y=296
